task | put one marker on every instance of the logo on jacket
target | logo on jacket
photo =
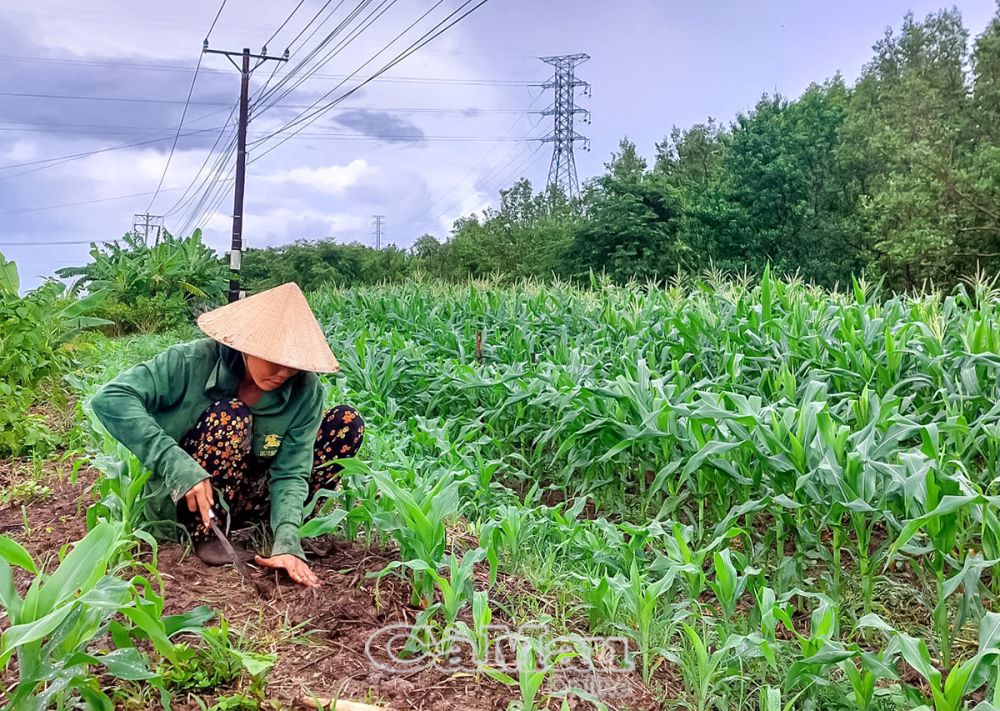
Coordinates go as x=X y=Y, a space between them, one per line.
x=271 y=444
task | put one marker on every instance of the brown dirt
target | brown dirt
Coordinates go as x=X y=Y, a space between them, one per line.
x=339 y=618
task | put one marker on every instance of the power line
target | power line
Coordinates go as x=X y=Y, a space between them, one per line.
x=472 y=171
x=187 y=102
x=512 y=155
x=59 y=160
x=215 y=20
x=208 y=157
x=427 y=37
x=282 y=25
x=389 y=80
x=56 y=244
x=317 y=135
x=351 y=16
x=305 y=114
x=214 y=189
x=288 y=46
x=413 y=47
x=412 y=109
x=82 y=202
x=308 y=24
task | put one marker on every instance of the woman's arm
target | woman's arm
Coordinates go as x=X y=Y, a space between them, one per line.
x=291 y=469
x=124 y=405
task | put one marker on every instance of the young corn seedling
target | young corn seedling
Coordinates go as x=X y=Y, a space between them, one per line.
x=456 y=592
x=52 y=628
x=819 y=647
x=602 y=600
x=532 y=670
x=770 y=699
x=703 y=669
x=950 y=693
x=682 y=560
x=640 y=603
x=729 y=585
x=866 y=669
x=417 y=522
x=478 y=636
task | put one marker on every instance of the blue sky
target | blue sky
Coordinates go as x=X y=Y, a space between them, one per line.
x=436 y=139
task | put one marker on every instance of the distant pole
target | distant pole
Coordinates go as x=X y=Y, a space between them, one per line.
x=144 y=223
x=236 y=249
x=562 y=169
x=378 y=230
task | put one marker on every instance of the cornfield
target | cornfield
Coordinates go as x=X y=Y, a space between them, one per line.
x=782 y=497
x=785 y=488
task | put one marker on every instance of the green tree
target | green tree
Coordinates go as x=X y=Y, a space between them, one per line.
x=526 y=237
x=911 y=132
x=630 y=230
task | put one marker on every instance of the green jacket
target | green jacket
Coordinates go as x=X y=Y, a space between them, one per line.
x=150 y=407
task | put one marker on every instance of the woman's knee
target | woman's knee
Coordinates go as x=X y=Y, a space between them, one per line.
x=341 y=433
x=225 y=426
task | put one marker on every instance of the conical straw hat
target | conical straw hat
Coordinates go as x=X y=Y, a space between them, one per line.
x=276 y=325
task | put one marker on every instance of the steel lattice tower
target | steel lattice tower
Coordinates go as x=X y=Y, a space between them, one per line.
x=562 y=169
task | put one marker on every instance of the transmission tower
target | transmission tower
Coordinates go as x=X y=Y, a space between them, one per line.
x=377 y=225
x=562 y=169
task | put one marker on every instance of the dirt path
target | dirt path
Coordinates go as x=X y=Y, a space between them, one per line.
x=320 y=636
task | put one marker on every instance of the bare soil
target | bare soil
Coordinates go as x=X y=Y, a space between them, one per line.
x=325 y=656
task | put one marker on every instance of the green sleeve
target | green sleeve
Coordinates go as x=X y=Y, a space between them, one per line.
x=124 y=405
x=291 y=469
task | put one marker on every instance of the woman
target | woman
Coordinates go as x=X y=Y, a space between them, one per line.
x=234 y=422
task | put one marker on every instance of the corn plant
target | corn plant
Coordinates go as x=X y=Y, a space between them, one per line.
x=943 y=522
x=532 y=670
x=729 y=584
x=949 y=693
x=417 y=522
x=52 y=627
x=639 y=607
x=478 y=634
x=703 y=669
x=866 y=668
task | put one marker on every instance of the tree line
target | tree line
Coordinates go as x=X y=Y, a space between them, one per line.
x=896 y=177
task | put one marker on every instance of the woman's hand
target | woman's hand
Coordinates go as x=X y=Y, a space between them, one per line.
x=199 y=498
x=295 y=567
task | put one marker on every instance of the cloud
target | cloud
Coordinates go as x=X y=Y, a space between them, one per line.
x=319 y=184
x=383 y=125
x=45 y=87
x=333 y=179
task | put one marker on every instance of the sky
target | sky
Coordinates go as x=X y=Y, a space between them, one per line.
x=91 y=97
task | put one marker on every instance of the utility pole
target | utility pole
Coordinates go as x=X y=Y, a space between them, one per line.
x=236 y=249
x=142 y=224
x=562 y=169
x=378 y=230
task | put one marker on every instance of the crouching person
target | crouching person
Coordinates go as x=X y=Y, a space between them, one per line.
x=236 y=417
